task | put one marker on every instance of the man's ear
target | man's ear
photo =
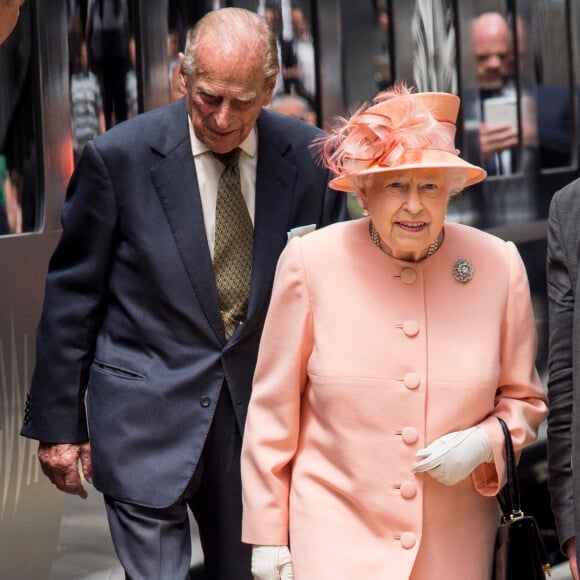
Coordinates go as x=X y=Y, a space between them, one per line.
x=182 y=78
x=268 y=96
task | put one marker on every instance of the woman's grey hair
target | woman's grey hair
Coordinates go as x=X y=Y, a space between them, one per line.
x=456 y=180
x=233 y=29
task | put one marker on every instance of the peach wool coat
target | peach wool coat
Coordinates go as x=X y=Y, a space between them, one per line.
x=364 y=360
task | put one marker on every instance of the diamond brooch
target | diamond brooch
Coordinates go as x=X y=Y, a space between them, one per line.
x=463 y=270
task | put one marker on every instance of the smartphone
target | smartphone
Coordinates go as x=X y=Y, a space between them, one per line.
x=501 y=111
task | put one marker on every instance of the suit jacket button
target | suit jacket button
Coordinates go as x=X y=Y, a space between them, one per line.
x=205 y=401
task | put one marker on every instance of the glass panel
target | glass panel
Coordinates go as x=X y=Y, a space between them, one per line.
x=382 y=55
x=534 y=88
x=551 y=44
x=19 y=166
x=103 y=81
x=291 y=24
x=295 y=92
x=367 y=69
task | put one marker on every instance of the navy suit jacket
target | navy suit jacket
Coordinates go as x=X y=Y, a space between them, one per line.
x=131 y=315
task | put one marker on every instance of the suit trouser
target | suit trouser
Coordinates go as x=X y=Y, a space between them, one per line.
x=156 y=543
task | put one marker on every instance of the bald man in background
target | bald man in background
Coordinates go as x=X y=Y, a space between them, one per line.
x=494 y=52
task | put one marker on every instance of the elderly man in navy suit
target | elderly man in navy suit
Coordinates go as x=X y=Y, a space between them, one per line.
x=134 y=321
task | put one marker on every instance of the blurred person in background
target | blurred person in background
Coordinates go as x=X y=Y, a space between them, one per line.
x=12 y=188
x=304 y=50
x=295 y=106
x=382 y=58
x=88 y=119
x=108 y=34
x=494 y=53
x=131 y=87
x=4 y=227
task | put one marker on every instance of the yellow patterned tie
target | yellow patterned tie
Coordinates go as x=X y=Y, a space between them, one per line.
x=234 y=244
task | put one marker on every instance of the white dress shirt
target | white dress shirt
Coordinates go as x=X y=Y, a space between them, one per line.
x=209 y=169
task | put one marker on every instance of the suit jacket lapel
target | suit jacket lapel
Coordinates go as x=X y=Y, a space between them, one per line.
x=276 y=176
x=175 y=181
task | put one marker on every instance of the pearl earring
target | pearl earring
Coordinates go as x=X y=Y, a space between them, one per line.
x=365 y=212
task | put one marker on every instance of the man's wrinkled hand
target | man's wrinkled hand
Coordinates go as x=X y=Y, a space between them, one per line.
x=62 y=462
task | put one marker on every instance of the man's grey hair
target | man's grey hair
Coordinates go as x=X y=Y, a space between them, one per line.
x=229 y=30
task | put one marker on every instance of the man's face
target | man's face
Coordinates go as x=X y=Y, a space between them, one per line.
x=225 y=97
x=298 y=22
x=495 y=56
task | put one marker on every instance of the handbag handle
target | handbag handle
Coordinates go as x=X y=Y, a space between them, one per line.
x=509 y=497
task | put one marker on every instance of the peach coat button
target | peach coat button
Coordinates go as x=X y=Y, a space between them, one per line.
x=412 y=380
x=410 y=435
x=408 y=540
x=408 y=276
x=411 y=328
x=408 y=489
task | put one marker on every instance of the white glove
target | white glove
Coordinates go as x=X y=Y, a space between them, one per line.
x=272 y=563
x=452 y=457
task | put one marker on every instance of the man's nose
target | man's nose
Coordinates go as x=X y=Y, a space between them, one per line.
x=494 y=62
x=222 y=114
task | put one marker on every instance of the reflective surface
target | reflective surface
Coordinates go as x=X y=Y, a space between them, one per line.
x=35 y=140
x=102 y=61
x=550 y=39
x=20 y=194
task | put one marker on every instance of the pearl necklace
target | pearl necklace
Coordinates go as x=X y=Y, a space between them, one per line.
x=433 y=246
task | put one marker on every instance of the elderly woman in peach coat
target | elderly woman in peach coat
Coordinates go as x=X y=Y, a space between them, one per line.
x=372 y=449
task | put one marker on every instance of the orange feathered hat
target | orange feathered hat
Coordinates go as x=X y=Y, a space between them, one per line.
x=401 y=131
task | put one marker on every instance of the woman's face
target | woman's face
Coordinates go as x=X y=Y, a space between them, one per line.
x=408 y=210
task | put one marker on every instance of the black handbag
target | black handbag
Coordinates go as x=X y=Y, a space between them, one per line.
x=520 y=553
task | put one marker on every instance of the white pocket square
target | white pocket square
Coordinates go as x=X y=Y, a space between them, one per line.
x=301 y=231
